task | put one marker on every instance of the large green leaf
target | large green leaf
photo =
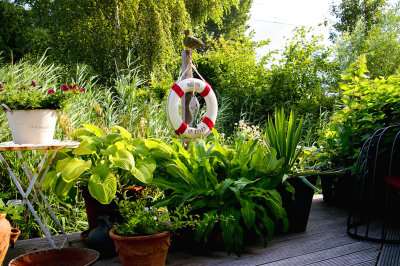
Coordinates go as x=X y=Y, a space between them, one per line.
x=125 y=134
x=232 y=232
x=205 y=226
x=95 y=130
x=248 y=213
x=61 y=188
x=87 y=146
x=102 y=184
x=72 y=168
x=144 y=170
x=123 y=159
x=50 y=178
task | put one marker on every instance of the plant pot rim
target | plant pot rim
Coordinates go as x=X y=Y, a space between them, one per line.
x=135 y=238
x=19 y=110
x=15 y=230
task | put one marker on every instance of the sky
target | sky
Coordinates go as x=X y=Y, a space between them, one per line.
x=276 y=19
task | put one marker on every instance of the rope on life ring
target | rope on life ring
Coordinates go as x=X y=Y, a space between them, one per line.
x=175 y=95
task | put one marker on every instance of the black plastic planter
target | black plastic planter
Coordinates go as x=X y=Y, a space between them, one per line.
x=298 y=209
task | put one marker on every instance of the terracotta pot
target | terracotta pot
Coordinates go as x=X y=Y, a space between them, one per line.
x=94 y=209
x=15 y=232
x=57 y=257
x=142 y=250
x=5 y=231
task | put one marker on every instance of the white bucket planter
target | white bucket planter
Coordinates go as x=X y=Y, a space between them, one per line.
x=32 y=126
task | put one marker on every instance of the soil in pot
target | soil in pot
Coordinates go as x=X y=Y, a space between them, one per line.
x=142 y=250
x=5 y=230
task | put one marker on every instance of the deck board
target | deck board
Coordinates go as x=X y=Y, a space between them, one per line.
x=324 y=243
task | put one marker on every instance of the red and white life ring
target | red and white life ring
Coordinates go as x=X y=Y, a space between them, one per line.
x=174 y=96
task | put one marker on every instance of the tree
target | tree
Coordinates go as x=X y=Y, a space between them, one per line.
x=349 y=12
x=233 y=23
x=304 y=75
x=381 y=46
x=101 y=33
x=17 y=36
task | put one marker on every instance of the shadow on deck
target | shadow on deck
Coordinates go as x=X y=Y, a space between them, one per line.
x=324 y=243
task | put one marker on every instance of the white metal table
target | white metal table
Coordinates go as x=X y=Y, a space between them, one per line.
x=29 y=195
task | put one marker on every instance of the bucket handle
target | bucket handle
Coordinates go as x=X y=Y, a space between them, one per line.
x=6 y=107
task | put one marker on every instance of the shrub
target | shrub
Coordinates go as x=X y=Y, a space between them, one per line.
x=365 y=106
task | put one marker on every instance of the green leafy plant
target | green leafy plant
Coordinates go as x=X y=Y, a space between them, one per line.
x=12 y=210
x=138 y=218
x=98 y=161
x=30 y=97
x=365 y=106
x=232 y=188
x=284 y=137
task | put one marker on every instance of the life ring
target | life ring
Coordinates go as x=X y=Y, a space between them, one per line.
x=174 y=96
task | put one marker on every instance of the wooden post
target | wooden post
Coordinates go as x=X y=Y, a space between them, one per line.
x=186 y=63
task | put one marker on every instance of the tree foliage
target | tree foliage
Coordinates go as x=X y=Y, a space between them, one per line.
x=101 y=33
x=17 y=36
x=349 y=12
x=304 y=75
x=233 y=23
x=381 y=45
x=366 y=105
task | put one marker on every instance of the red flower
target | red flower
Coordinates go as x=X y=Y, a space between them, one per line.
x=50 y=91
x=74 y=87
x=82 y=90
x=33 y=83
x=64 y=87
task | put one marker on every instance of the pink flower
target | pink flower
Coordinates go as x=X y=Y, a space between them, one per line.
x=64 y=87
x=50 y=91
x=33 y=84
x=74 y=87
x=82 y=90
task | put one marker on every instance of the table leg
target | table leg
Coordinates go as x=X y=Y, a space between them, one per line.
x=35 y=188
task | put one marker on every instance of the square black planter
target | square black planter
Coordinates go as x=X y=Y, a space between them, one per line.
x=298 y=210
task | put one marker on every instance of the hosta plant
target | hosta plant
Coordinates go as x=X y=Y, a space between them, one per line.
x=232 y=188
x=98 y=162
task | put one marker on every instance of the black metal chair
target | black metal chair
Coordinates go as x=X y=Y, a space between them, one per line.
x=375 y=209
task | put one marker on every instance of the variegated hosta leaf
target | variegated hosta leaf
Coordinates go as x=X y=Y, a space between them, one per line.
x=123 y=159
x=144 y=170
x=72 y=168
x=102 y=184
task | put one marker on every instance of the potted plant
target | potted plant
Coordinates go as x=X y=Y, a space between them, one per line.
x=6 y=231
x=284 y=135
x=31 y=109
x=142 y=236
x=100 y=163
x=231 y=187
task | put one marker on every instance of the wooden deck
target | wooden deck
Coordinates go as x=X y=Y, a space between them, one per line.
x=324 y=243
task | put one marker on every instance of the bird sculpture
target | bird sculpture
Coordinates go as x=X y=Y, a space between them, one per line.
x=191 y=42
x=194 y=107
